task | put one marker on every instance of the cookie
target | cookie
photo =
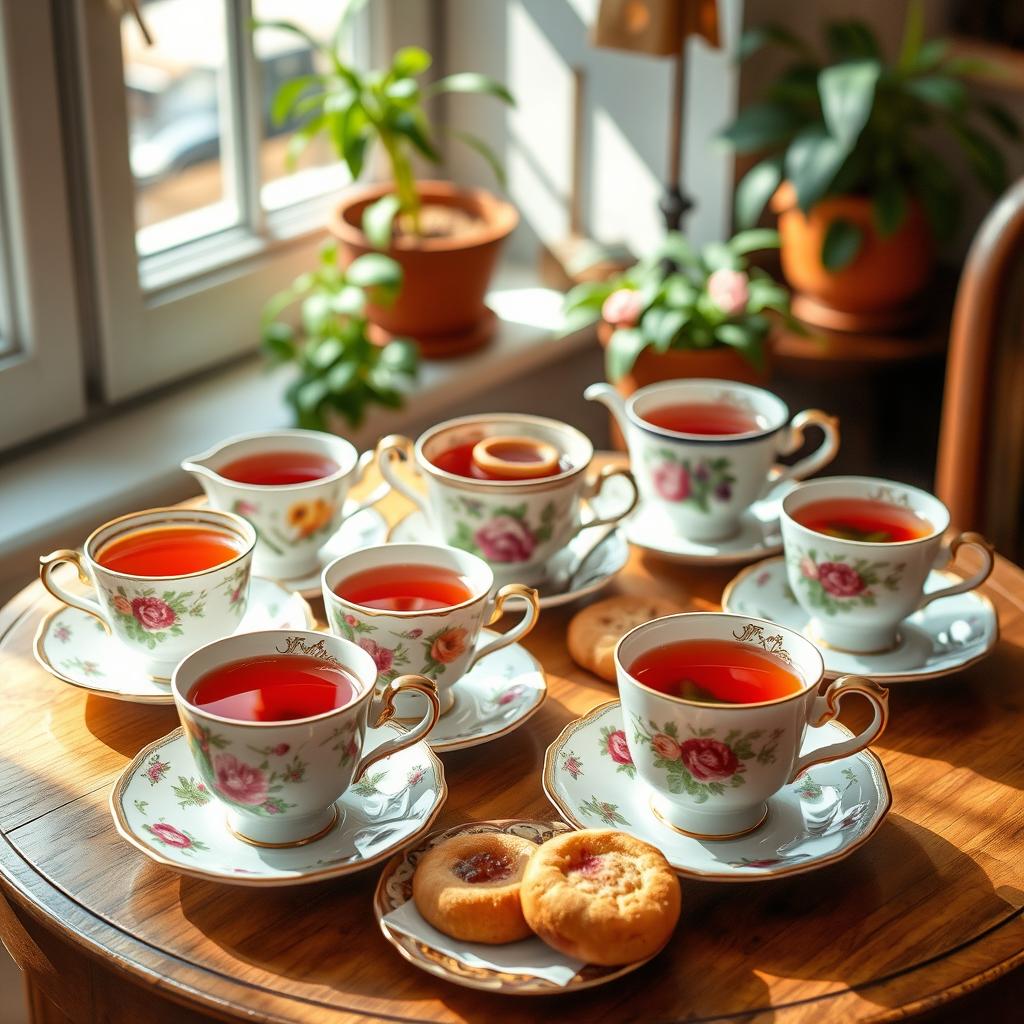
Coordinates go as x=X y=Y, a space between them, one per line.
x=594 y=631
x=468 y=887
x=601 y=896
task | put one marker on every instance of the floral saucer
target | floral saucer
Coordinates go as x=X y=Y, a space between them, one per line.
x=527 y=968
x=945 y=637
x=76 y=647
x=825 y=815
x=494 y=698
x=162 y=808
x=759 y=535
x=584 y=567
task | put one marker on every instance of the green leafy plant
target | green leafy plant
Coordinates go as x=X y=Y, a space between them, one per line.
x=353 y=108
x=856 y=124
x=340 y=369
x=678 y=298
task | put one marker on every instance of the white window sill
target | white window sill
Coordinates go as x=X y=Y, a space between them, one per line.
x=53 y=495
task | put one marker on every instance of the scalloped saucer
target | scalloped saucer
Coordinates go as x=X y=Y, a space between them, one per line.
x=495 y=698
x=76 y=647
x=164 y=811
x=587 y=569
x=945 y=637
x=394 y=891
x=825 y=815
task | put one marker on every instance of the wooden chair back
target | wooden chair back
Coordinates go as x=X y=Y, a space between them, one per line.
x=980 y=472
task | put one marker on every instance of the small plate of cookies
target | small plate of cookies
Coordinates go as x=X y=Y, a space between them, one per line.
x=527 y=907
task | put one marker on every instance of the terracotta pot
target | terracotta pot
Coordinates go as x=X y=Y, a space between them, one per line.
x=718 y=363
x=444 y=279
x=887 y=273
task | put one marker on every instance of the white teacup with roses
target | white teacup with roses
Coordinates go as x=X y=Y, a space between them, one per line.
x=857 y=592
x=441 y=644
x=703 y=483
x=292 y=521
x=711 y=768
x=160 y=619
x=279 y=781
x=516 y=526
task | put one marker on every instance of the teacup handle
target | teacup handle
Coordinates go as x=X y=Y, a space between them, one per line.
x=510 y=592
x=594 y=488
x=381 y=490
x=974 y=540
x=386 y=704
x=47 y=565
x=389 y=452
x=819 y=458
x=826 y=707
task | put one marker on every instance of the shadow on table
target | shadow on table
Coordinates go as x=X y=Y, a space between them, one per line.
x=127 y=727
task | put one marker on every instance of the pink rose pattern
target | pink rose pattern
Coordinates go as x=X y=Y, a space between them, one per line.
x=671 y=481
x=503 y=533
x=382 y=656
x=832 y=585
x=153 y=613
x=699 y=482
x=709 y=760
x=170 y=836
x=238 y=781
x=505 y=539
x=149 y=618
x=840 y=580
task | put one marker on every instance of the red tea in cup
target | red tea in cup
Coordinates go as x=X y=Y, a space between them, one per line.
x=168 y=551
x=273 y=688
x=875 y=522
x=715 y=672
x=274 y=469
x=709 y=418
x=405 y=588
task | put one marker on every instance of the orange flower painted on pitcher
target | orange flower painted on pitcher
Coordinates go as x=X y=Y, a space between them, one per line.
x=447 y=646
x=309 y=517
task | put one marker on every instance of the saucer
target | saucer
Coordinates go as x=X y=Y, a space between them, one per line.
x=945 y=637
x=162 y=808
x=759 y=535
x=478 y=967
x=825 y=815
x=494 y=698
x=588 y=576
x=76 y=647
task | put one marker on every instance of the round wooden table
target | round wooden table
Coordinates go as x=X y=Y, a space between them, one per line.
x=927 y=912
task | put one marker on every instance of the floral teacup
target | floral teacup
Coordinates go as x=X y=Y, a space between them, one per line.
x=440 y=644
x=292 y=521
x=857 y=592
x=711 y=768
x=160 y=619
x=703 y=483
x=516 y=526
x=279 y=780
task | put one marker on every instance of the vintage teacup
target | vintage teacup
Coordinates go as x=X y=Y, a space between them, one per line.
x=516 y=526
x=279 y=780
x=292 y=521
x=711 y=768
x=857 y=592
x=439 y=643
x=703 y=483
x=160 y=619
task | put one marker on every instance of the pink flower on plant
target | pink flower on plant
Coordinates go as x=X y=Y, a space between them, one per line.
x=623 y=308
x=170 y=835
x=666 y=747
x=239 y=781
x=619 y=748
x=728 y=290
x=709 y=760
x=505 y=539
x=840 y=580
x=808 y=568
x=382 y=657
x=153 y=613
x=671 y=481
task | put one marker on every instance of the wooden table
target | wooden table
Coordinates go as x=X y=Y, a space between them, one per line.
x=927 y=912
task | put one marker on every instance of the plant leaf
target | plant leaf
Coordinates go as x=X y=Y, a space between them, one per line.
x=350 y=8
x=890 y=206
x=409 y=61
x=400 y=356
x=716 y=255
x=985 y=158
x=753 y=240
x=913 y=36
x=770 y=33
x=940 y=91
x=676 y=247
x=471 y=82
x=378 y=219
x=343 y=376
x=374 y=270
x=842 y=243
x=1003 y=120
x=745 y=340
x=624 y=346
x=289 y=93
x=756 y=187
x=813 y=159
x=481 y=147
x=660 y=326
x=851 y=40
x=760 y=126
x=279 y=342
x=414 y=128
x=847 y=95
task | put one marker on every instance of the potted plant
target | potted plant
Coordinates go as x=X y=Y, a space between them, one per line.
x=862 y=196
x=340 y=370
x=445 y=238
x=682 y=313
